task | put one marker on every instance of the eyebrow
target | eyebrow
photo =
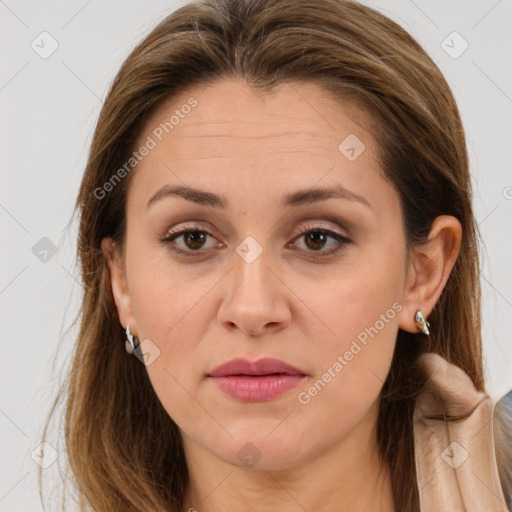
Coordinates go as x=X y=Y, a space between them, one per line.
x=298 y=198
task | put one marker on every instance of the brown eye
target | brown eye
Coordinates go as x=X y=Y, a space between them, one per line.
x=191 y=241
x=316 y=240
x=194 y=239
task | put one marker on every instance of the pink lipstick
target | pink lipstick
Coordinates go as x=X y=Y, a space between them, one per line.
x=256 y=381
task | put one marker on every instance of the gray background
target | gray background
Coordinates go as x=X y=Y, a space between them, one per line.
x=47 y=114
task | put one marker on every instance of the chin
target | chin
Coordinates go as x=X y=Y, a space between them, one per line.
x=260 y=450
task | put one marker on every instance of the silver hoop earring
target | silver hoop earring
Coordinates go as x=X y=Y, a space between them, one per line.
x=421 y=323
x=132 y=342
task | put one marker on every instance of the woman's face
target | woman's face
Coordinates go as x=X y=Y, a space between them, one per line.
x=277 y=269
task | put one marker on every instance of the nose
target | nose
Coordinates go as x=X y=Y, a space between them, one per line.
x=255 y=299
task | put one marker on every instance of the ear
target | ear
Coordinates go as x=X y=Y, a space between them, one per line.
x=429 y=269
x=117 y=274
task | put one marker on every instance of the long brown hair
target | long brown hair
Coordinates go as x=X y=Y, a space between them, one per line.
x=124 y=450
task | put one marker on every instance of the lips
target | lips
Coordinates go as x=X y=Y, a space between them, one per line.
x=257 y=381
x=265 y=366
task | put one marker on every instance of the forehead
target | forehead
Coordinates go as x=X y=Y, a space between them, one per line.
x=236 y=138
x=232 y=109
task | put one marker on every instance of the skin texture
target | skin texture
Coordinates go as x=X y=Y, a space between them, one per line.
x=290 y=303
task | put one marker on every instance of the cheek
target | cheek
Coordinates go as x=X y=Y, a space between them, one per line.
x=361 y=300
x=361 y=310
x=166 y=297
x=354 y=363
x=172 y=305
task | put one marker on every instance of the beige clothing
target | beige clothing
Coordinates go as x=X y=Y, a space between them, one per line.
x=454 y=444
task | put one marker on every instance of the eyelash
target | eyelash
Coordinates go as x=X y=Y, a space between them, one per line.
x=343 y=240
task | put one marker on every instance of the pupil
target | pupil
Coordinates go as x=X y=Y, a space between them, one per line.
x=318 y=240
x=197 y=239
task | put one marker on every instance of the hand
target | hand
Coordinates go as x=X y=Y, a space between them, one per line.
x=454 y=443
